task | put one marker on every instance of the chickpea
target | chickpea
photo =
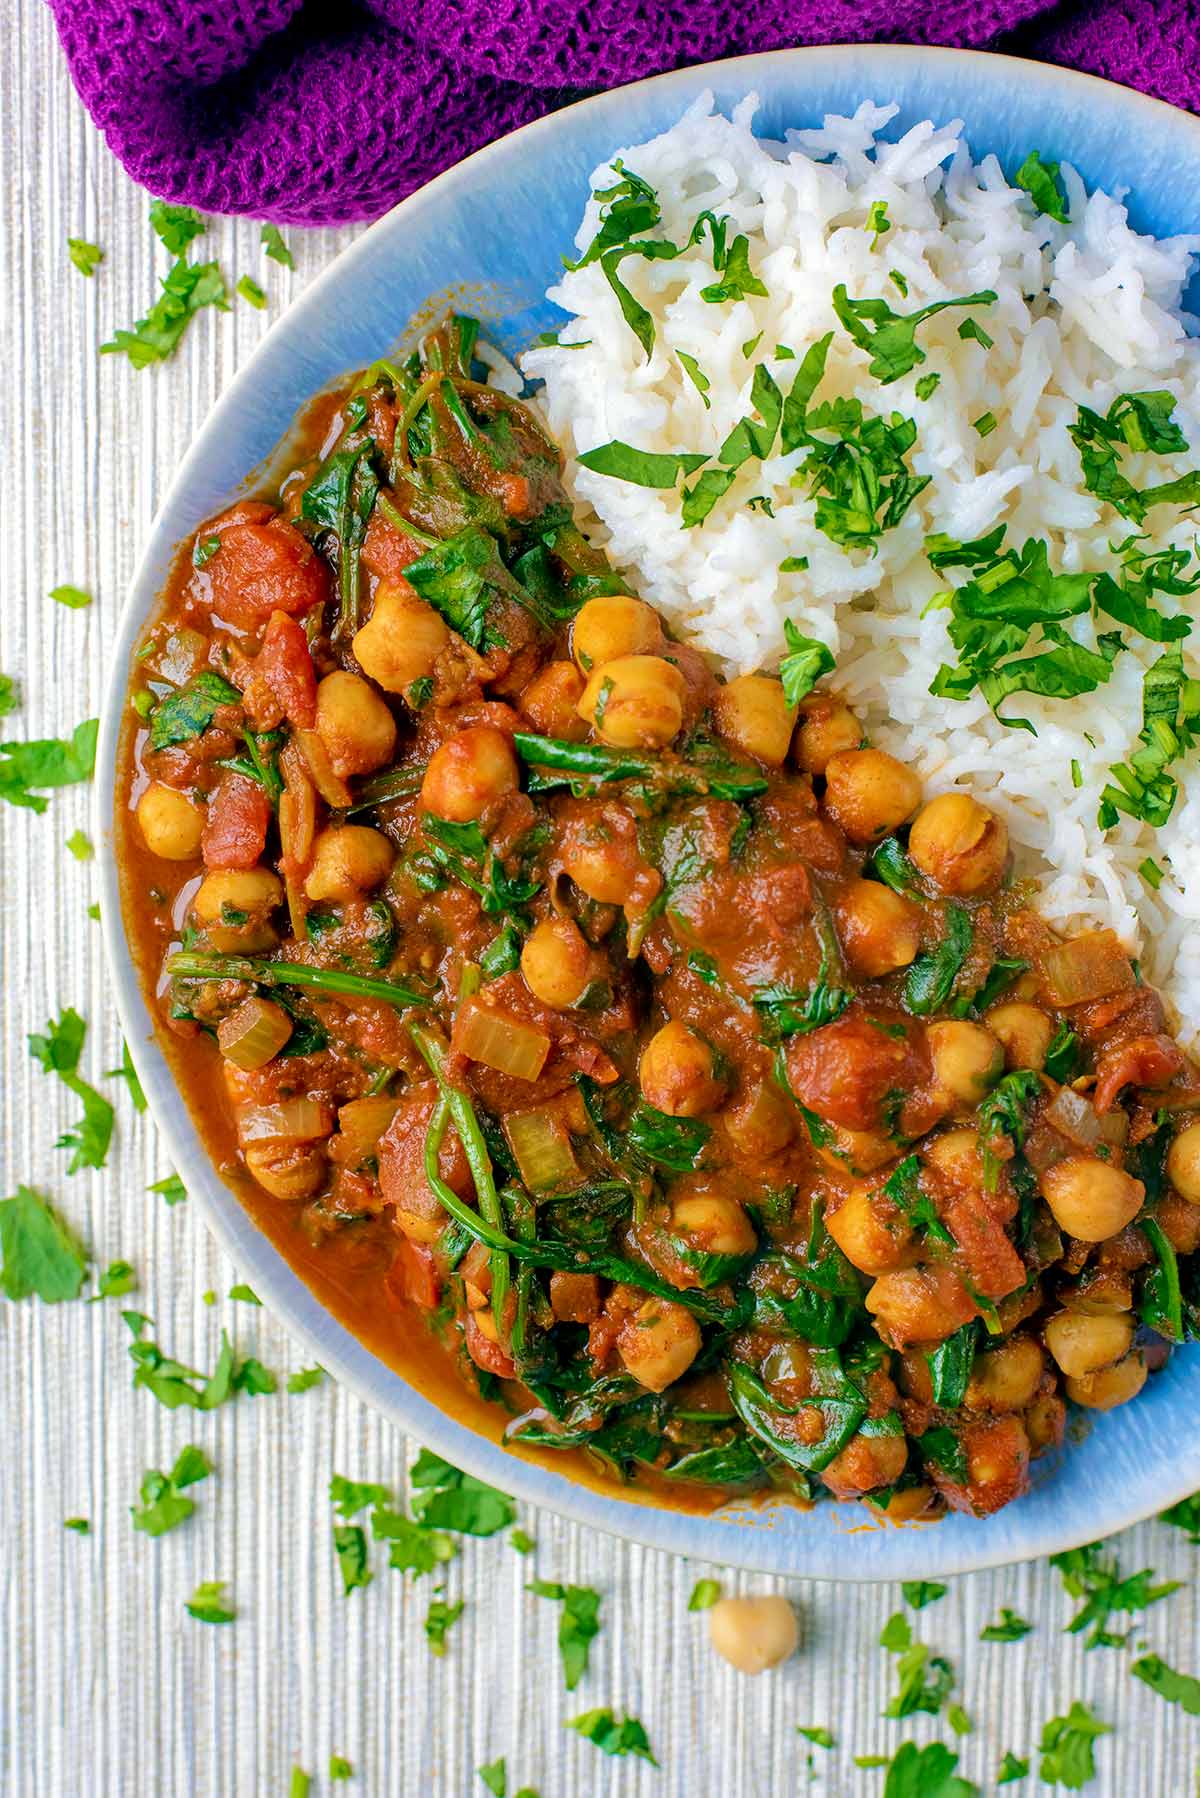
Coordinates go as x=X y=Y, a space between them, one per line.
x=714 y=1225
x=827 y=728
x=920 y=1304
x=760 y=1122
x=611 y=626
x=233 y=906
x=1089 y=1198
x=401 y=640
x=869 y=793
x=753 y=714
x=753 y=1634
x=1180 y=1223
x=601 y=855
x=348 y=862
x=1045 y=1422
x=955 y=1155
x=355 y=725
x=1007 y=1377
x=966 y=1058
x=676 y=1072
x=866 y=1462
x=635 y=702
x=880 y=930
x=1110 y=1386
x=1083 y=1344
x=468 y=772
x=551 y=701
x=865 y=1236
x=857 y=1152
x=658 y=1343
x=556 y=962
x=907 y=1505
x=1023 y=1032
x=1183 y=1163
x=286 y=1170
x=959 y=844
x=171 y=825
x=997 y=1451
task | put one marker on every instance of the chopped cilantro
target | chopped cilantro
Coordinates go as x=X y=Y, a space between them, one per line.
x=1012 y=1767
x=80 y=1525
x=350 y=1544
x=1085 y=1574
x=86 y=256
x=9 y=697
x=970 y=330
x=878 y=221
x=958 y=1720
x=1185 y=1516
x=300 y=1784
x=1010 y=1628
x=438 y=1619
x=252 y=293
x=1176 y=1688
x=815 y=1733
x=1040 y=181
x=738 y=280
x=645 y=468
x=47 y=762
x=186 y=290
x=170 y=1382
x=522 y=1541
x=696 y=376
x=1139 y=422
x=274 y=246
x=890 y=338
x=495 y=1778
x=352 y=1496
x=1143 y=787
x=163 y=1505
x=705 y=1594
x=750 y=345
x=176 y=225
x=1066 y=1747
x=577 y=1627
x=58 y=1052
x=793 y=565
x=80 y=846
x=74 y=598
x=208 y=1604
x=922 y=1773
x=985 y=424
x=117 y=1279
x=612 y=1735
x=305 y=1379
x=915 y=1692
x=128 y=1073
x=41 y=1255
x=170 y=1188
x=927 y=386
x=451 y=1500
x=245 y=1294
x=805 y=663
x=920 y=1592
x=1151 y=873
x=339 y=1766
x=413 y=1548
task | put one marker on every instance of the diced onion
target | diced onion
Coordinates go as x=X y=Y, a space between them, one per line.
x=542 y=1149
x=786 y=1362
x=1090 y=966
x=179 y=656
x=291 y=1120
x=250 y=1036
x=361 y=1123
x=501 y=1042
x=1074 y=1116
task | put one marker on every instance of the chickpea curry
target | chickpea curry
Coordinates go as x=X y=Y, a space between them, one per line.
x=648 y=1046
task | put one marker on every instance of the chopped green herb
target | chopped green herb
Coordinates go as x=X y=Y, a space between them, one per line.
x=449 y=1499
x=1176 y=1688
x=350 y=1545
x=696 y=376
x=305 y=1379
x=128 y=1073
x=176 y=225
x=705 y=1594
x=920 y=1592
x=577 y=1627
x=245 y=1293
x=117 y=1279
x=1040 y=181
x=1076 y=774
x=41 y=1255
x=208 y=1604
x=793 y=565
x=898 y=282
x=890 y=338
x=878 y=221
x=1139 y=422
x=1151 y=873
x=915 y=1692
x=274 y=246
x=1185 y=1516
x=203 y=551
x=750 y=345
x=86 y=256
x=300 y=1784
x=74 y=598
x=1066 y=1747
x=644 y=468
x=613 y=1736
x=815 y=1733
x=1085 y=1574
x=738 y=281
x=1142 y=787
x=927 y=386
x=522 y=1541
x=339 y=1766
x=170 y=1382
x=958 y=1720
x=985 y=424
x=170 y=1188
x=47 y=762
x=252 y=293
x=186 y=291
x=163 y=1505
x=80 y=1525
x=58 y=1052
x=806 y=662
x=970 y=330
x=1010 y=1628
x=80 y=846
x=1012 y=1767
x=922 y=1773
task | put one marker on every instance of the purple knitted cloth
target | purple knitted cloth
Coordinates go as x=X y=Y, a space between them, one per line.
x=318 y=111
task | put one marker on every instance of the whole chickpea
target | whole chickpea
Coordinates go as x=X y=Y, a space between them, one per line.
x=869 y=1460
x=677 y=1072
x=551 y=701
x=355 y=724
x=347 y=862
x=658 y=1343
x=753 y=714
x=469 y=772
x=556 y=962
x=1110 y=1386
x=234 y=907
x=1083 y=1343
x=1023 y=1032
x=713 y=1224
x=401 y=640
x=1183 y=1163
x=613 y=625
x=869 y=793
x=635 y=702
x=170 y=824
x=1091 y=1199
x=1006 y=1378
x=286 y=1170
x=959 y=844
x=873 y=1242
x=827 y=728
x=753 y=1634
x=967 y=1059
x=880 y=930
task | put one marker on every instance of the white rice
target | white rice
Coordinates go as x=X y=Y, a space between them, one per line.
x=1085 y=311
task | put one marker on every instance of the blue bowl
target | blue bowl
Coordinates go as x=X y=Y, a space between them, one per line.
x=489 y=235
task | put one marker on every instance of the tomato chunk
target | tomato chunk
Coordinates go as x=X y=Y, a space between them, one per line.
x=386 y=551
x=414 y=1276
x=286 y=667
x=239 y=816
x=261 y=566
x=851 y=1071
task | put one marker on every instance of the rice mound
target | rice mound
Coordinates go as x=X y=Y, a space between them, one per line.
x=1085 y=311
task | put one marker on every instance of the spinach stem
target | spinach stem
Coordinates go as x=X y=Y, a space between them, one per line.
x=188 y=965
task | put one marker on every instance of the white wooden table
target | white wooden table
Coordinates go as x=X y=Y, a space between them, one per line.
x=106 y=1685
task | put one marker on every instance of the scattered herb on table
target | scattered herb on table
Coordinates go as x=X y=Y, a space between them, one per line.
x=275 y=247
x=74 y=598
x=58 y=1051
x=208 y=1603
x=186 y=290
x=577 y=1627
x=613 y=1735
x=86 y=256
x=305 y=1378
x=916 y=1691
x=162 y=1504
x=1010 y=1628
x=79 y=1525
x=1185 y=1516
x=1012 y=1767
x=340 y=1768
x=41 y=1255
x=495 y=1778
x=1087 y=1575
x=1066 y=1747
x=704 y=1595
x=117 y=1279
x=170 y=1188
x=920 y=1592
x=176 y=225
x=522 y=1541
x=172 y=1384
x=438 y=1619
x=815 y=1733
x=1176 y=1688
x=79 y=845
x=47 y=762
x=128 y=1073
x=251 y=292
x=922 y=1773
x=448 y=1499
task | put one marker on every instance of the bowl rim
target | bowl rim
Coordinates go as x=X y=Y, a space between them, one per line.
x=295 y=1306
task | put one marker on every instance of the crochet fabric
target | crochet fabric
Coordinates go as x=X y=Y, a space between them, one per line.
x=313 y=112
